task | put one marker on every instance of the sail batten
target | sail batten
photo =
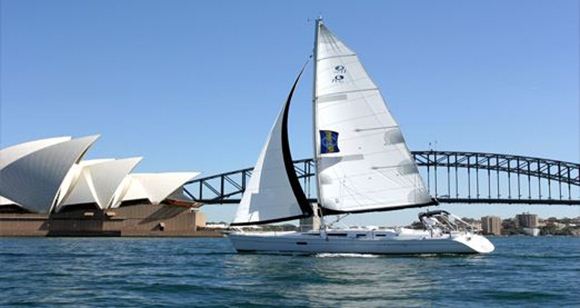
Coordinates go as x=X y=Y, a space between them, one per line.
x=346 y=92
x=371 y=168
x=339 y=56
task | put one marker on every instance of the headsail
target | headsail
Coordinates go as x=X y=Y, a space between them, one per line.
x=363 y=162
x=274 y=193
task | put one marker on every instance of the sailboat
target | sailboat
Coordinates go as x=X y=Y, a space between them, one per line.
x=362 y=165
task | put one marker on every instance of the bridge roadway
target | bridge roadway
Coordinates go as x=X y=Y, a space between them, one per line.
x=451 y=177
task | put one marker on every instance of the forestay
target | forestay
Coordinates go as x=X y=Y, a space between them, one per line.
x=274 y=193
x=369 y=166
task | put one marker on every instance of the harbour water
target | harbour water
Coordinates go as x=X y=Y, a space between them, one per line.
x=523 y=271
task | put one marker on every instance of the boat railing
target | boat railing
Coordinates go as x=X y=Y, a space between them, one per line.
x=445 y=222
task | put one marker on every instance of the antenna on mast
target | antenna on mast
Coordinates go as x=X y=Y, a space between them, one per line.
x=316 y=19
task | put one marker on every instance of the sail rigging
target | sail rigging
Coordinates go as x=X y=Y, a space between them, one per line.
x=274 y=193
x=363 y=163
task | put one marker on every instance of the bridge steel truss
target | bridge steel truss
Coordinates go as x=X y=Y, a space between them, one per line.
x=451 y=177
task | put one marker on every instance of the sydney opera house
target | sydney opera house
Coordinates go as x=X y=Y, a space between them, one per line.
x=46 y=188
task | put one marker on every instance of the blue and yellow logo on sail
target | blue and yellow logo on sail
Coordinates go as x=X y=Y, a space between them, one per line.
x=328 y=142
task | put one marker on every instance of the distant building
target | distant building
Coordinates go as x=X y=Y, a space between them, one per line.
x=557 y=225
x=475 y=224
x=527 y=220
x=491 y=225
x=531 y=231
x=529 y=223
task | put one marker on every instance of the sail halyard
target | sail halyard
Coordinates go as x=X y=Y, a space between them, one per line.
x=274 y=193
x=363 y=163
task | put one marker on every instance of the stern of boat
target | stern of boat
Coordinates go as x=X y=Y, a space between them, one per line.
x=477 y=243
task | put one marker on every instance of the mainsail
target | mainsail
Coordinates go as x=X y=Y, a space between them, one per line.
x=274 y=193
x=368 y=166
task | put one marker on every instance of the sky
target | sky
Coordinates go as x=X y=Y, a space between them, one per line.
x=196 y=85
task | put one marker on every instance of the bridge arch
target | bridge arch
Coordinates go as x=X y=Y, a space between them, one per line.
x=451 y=176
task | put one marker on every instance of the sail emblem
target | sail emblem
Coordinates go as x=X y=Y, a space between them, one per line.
x=339 y=72
x=328 y=142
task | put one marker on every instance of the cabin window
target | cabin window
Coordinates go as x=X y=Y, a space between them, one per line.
x=336 y=234
x=301 y=243
x=360 y=235
x=381 y=235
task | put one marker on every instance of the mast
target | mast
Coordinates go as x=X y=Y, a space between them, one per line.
x=318 y=212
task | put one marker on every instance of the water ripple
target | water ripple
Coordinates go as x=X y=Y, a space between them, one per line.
x=126 y=272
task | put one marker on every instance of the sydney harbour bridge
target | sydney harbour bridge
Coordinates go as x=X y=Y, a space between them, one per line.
x=451 y=177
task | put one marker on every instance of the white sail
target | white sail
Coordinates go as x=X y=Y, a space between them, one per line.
x=274 y=193
x=364 y=163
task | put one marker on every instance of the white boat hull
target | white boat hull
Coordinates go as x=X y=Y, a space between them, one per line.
x=372 y=242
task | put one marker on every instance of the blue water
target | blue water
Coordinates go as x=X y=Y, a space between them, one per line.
x=107 y=272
